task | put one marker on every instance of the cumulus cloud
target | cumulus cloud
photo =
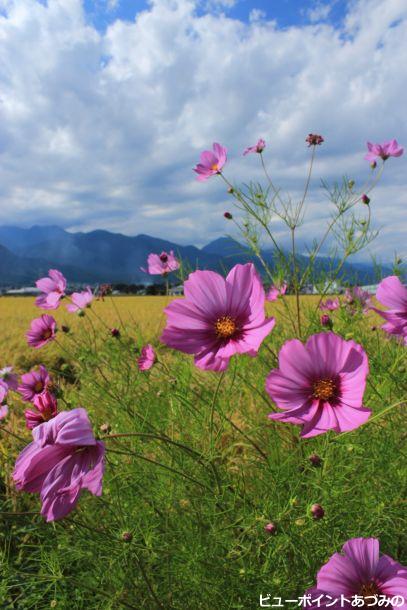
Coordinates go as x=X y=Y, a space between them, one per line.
x=102 y=129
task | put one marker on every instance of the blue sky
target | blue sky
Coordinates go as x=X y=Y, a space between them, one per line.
x=103 y=116
x=286 y=13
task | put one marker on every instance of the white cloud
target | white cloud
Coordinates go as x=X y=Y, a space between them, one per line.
x=101 y=130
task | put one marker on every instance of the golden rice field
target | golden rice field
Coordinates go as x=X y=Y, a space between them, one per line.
x=142 y=315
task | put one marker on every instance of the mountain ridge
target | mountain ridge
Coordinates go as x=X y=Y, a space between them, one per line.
x=102 y=256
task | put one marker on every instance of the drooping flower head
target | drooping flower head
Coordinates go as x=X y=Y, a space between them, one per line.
x=314 y=139
x=320 y=385
x=34 y=383
x=161 y=264
x=383 y=151
x=80 y=300
x=42 y=331
x=9 y=378
x=329 y=304
x=359 y=571
x=218 y=317
x=53 y=288
x=45 y=408
x=211 y=162
x=3 y=397
x=392 y=294
x=147 y=358
x=275 y=292
x=63 y=459
x=257 y=148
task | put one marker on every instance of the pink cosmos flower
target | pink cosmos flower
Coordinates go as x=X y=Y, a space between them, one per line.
x=359 y=571
x=147 y=358
x=356 y=295
x=63 y=459
x=211 y=162
x=80 y=300
x=45 y=409
x=320 y=385
x=3 y=396
x=329 y=304
x=9 y=378
x=384 y=151
x=391 y=293
x=275 y=292
x=218 y=317
x=53 y=288
x=42 y=331
x=161 y=264
x=34 y=383
x=257 y=148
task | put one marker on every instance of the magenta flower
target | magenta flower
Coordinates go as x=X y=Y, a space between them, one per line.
x=46 y=408
x=384 y=151
x=329 y=304
x=161 y=264
x=34 y=383
x=391 y=293
x=42 y=331
x=80 y=300
x=320 y=385
x=63 y=459
x=275 y=292
x=147 y=358
x=257 y=148
x=357 y=295
x=53 y=289
x=359 y=571
x=3 y=396
x=9 y=378
x=313 y=139
x=219 y=317
x=211 y=162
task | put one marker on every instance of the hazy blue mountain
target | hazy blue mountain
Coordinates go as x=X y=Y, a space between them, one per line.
x=102 y=256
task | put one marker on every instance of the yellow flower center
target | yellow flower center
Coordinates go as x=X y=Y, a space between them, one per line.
x=38 y=387
x=368 y=590
x=47 y=334
x=324 y=389
x=214 y=167
x=225 y=327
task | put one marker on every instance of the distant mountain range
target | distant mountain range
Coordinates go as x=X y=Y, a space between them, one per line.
x=102 y=256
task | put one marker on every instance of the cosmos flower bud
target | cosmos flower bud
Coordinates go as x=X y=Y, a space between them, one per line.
x=127 y=536
x=228 y=215
x=373 y=328
x=373 y=165
x=65 y=329
x=105 y=428
x=231 y=190
x=270 y=528
x=326 y=321
x=315 y=460
x=365 y=199
x=351 y=184
x=317 y=511
x=115 y=332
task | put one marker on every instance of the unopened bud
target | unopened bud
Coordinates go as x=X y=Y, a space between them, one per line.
x=365 y=199
x=317 y=511
x=351 y=184
x=231 y=190
x=315 y=460
x=270 y=528
x=65 y=329
x=105 y=428
x=326 y=321
x=228 y=215
x=373 y=165
x=115 y=332
x=127 y=536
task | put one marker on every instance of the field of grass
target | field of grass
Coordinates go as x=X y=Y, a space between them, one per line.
x=180 y=524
